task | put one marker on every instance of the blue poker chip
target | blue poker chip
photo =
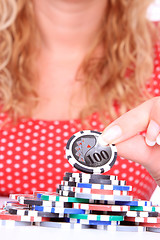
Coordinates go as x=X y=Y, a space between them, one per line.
x=84 y=152
x=59 y=210
x=93 y=222
x=102 y=186
x=135 y=203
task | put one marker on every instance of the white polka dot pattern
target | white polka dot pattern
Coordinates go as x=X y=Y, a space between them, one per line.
x=32 y=154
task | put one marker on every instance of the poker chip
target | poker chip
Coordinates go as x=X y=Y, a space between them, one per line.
x=68 y=225
x=16 y=196
x=90 y=176
x=12 y=223
x=131 y=203
x=102 y=186
x=107 y=213
x=63 y=225
x=6 y=216
x=141 y=214
x=44 y=203
x=38 y=194
x=146 y=208
x=86 y=179
x=153 y=229
x=94 y=196
x=100 y=207
x=143 y=219
x=84 y=152
x=96 y=217
x=146 y=224
x=98 y=181
x=59 y=210
x=63 y=199
x=9 y=205
x=92 y=190
x=30 y=201
x=93 y=222
x=23 y=212
x=123 y=228
x=108 y=182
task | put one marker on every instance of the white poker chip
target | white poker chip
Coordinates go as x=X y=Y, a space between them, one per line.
x=85 y=153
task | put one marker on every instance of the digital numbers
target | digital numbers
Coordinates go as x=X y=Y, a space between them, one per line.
x=98 y=157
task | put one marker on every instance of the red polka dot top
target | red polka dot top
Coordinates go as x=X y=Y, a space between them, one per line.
x=32 y=153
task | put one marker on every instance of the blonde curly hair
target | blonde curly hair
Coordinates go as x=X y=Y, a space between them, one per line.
x=127 y=38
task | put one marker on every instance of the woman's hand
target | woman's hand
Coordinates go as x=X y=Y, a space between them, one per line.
x=124 y=132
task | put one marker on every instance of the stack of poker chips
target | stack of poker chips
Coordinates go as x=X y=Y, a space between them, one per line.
x=83 y=201
x=108 y=197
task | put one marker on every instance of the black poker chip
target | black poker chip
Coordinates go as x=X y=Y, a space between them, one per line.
x=111 y=213
x=91 y=180
x=84 y=152
x=96 y=181
x=84 y=176
x=17 y=211
x=35 y=202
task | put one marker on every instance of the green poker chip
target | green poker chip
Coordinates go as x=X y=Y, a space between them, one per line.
x=96 y=217
x=63 y=199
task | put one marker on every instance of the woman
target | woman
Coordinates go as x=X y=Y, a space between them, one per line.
x=70 y=65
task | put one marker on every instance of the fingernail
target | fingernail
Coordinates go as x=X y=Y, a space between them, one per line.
x=153 y=129
x=158 y=139
x=150 y=143
x=111 y=134
x=101 y=141
x=152 y=133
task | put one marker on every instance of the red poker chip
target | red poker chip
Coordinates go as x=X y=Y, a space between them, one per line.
x=155 y=225
x=143 y=219
x=99 y=207
x=4 y=215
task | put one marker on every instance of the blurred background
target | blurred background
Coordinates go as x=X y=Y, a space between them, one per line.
x=153 y=12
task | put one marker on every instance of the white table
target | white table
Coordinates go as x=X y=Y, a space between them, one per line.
x=42 y=233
